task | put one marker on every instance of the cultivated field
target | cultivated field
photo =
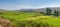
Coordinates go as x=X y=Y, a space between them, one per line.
x=31 y=19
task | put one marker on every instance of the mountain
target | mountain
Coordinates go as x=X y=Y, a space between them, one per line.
x=3 y=10
x=44 y=9
x=41 y=9
x=34 y=10
x=26 y=10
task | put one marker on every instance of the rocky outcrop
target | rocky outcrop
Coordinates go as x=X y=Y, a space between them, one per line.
x=5 y=22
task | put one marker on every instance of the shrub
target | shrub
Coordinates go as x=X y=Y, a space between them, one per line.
x=48 y=11
x=56 y=13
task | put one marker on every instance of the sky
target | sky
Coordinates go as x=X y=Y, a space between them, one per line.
x=28 y=4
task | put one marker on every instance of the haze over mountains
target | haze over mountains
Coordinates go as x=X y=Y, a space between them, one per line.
x=41 y=9
x=37 y=10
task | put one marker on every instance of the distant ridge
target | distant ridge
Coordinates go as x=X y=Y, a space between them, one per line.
x=37 y=10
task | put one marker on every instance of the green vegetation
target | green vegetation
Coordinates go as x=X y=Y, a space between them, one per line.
x=32 y=19
x=56 y=13
x=48 y=11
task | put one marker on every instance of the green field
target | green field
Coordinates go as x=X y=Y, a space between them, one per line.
x=31 y=19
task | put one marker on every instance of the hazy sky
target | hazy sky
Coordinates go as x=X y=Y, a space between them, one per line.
x=18 y=4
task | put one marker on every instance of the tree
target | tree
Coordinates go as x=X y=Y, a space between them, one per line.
x=56 y=13
x=48 y=11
